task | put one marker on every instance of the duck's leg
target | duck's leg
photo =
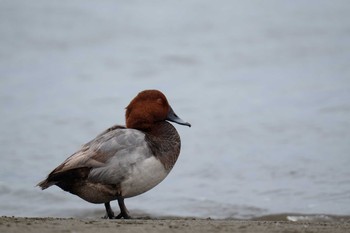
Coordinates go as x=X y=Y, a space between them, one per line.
x=109 y=211
x=124 y=213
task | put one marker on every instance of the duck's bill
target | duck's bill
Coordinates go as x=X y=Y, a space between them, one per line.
x=174 y=118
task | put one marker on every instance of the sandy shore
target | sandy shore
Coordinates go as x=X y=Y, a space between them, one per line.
x=52 y=225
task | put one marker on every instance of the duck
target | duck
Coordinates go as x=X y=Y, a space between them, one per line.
x=123 y=161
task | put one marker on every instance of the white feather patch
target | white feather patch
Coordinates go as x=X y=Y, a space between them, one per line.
x=144 y=176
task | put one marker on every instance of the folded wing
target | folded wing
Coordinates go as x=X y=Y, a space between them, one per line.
x=106 y=159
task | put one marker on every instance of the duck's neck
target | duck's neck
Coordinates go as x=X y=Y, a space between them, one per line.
x=164 y=142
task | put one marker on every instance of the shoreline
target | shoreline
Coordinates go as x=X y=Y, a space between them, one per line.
x=163 y=225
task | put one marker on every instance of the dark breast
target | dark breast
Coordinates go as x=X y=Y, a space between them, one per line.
x=165 y=143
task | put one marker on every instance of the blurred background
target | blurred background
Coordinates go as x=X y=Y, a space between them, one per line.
x=265 y=85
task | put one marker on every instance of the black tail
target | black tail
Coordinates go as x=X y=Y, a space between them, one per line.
x=45 y=184
x=64 y=177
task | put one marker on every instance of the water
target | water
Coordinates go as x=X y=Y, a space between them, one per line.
x=265 y=84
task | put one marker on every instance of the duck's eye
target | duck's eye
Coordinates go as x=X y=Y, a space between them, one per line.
x=160 y=101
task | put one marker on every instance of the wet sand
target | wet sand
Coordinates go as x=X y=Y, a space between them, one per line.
x=52 y=225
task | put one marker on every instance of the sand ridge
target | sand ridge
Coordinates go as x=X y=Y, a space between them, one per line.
x=191 y=225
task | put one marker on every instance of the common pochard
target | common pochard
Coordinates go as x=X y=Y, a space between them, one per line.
x=124 y=161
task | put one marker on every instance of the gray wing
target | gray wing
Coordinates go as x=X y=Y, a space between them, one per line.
x=105 y=159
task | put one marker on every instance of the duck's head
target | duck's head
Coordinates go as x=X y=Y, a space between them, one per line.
x=148 y=108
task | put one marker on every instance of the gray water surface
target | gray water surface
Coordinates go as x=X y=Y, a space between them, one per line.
x=265 y=85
